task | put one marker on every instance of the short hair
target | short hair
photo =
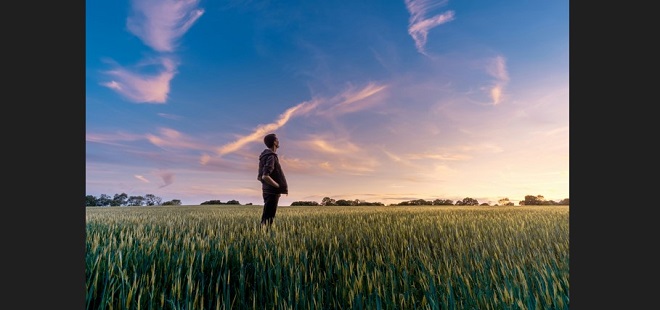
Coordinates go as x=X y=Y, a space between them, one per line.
x=269 y=140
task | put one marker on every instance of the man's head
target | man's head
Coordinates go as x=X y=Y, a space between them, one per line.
x=270 y=140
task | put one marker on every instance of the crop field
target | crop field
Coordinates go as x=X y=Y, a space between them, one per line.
x=380 y=257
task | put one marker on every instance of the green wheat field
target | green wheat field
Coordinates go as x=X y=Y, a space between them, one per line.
x=328 y=257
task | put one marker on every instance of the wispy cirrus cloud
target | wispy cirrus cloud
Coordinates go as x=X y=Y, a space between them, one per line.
x=142 y=178
x=112 y=139
x=161 y=23
x=165 y=138
x=353 y=100
x=262 y=130
x=497 y=69
x=334 y=146
x=173 y=139
x=169 y=116
x=348 y=101
x=143 y=87
x=165 y=176
x=419 y=25
x=331 y=153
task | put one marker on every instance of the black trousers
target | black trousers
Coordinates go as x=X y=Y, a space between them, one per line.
x=270 y=207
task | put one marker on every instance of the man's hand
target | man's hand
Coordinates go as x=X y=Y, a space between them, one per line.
x=270 y=181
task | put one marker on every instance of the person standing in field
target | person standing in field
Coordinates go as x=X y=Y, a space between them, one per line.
x=271 y=176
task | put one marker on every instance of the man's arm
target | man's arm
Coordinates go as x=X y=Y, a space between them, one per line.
x=270 y=180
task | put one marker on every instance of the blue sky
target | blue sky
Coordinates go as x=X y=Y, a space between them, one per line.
x=382 y=101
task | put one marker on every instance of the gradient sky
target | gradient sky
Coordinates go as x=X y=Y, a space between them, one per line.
x=382 y=101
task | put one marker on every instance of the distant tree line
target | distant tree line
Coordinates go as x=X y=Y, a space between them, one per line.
x=540 y=201
x=327 y=201
x=467 y=201
x=530 y=200
x=218 y=202
x=122 y=200
x=152 y=200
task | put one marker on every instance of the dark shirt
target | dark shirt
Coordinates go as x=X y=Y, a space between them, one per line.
x=269 y=164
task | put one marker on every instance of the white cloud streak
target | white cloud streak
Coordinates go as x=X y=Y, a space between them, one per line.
x=141 y=178
x=341 y=102
x=419 y=25
x=161 y=23
x=166 y=138
x=352 y=100
x=173 y=139
x=262 y=130
x=143 y=88
x=169 y=116
x=497 y=69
